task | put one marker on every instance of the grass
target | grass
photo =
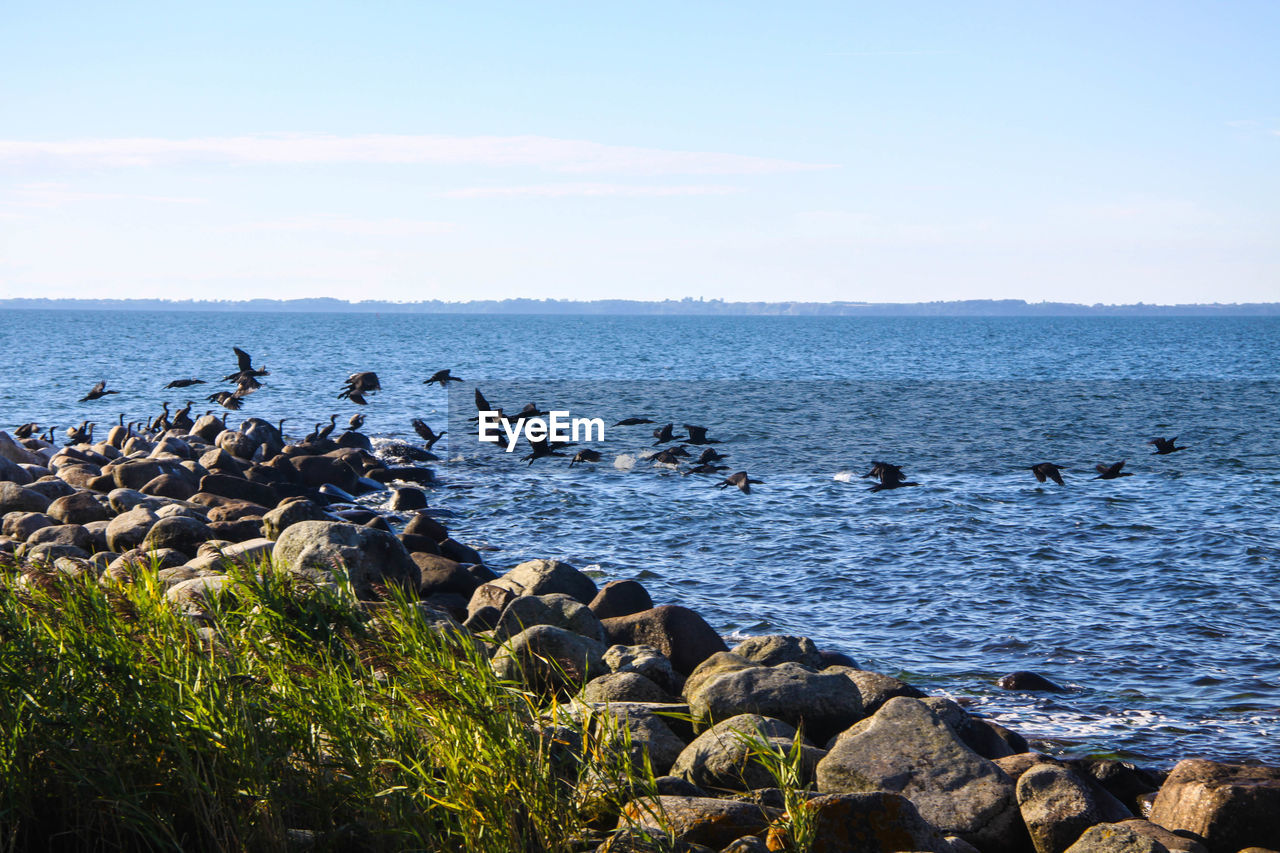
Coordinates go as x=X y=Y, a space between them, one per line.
x=285 y=719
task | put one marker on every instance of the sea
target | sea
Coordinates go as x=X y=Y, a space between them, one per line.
x=1153 y=599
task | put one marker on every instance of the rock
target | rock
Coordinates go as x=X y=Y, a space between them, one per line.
x=980 y=737
x=14 y=498
x=231 y=510
x=677 y=632
x=442 y=575
x=714 y=666
x=80 y=508
x=20 y=525
x=13 y=452
x=774 y=649
x=1015 y=765
x=135 y=473
x=904 y=748
x=371 y=559
x=170 y=486
x=239 y=489
x=542 y=577
x=550 y=659
x=290 y=512
x=724 y=756
x=236 y=444
x=698 y=820
x=240 y=553
x=221 y=462
x=317 y=471
x=1057 y=807
x=455 y=550
x=1028 y=682
x=1114 y=838
x=408 y=498
x=620 y=598
x=1171 y=841
x=646 y=661
x=12 y=472
x=823 y=704
x=62 y=534
x=52 y=488
x=249 y=527
x=180 y=533
x=875 y=688
x=1124 y=781
x=865 y=823
x=1228 y=806
x=640 y=731
x=48 y=552
x=525 y=611
x=123 y=500
x=427 y=527
x=490 y=595
x=192 y=596
x=623 y=687
x=129 y=529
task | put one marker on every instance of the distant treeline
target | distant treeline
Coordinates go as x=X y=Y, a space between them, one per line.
x=670 y=307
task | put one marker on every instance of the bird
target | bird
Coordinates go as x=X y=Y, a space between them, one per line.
x=244 y=368
x=633 y=421
x=99 y=390
x=1165 y=446
x=540 y=449
x=444 y=377
x=226 y=399
x=482 y=405
x=706 y=468
x=711 y=455
x=698 y=435
x=359 y=384
x=741 y=480
x=890 y=477
x=665 y=433
x=161 y=423
x=328 y=430
x=357 y=421
x=184 y=383
x=82 y=434
x=182 y=418
x=585 y=455
x=666 y=457
x=1111 y=472
x=1046 y=471
x=26 y=430
x=425 y=432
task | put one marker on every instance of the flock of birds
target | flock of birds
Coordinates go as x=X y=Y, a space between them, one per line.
x=359 y=386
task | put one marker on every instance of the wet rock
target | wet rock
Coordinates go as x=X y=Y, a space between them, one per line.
x=442 y=575
x=178 y=532
x=822 y=704
x=904 y=748
x=543 y=577
x=550 y=659
x=620 y=598
x=1028 y=682
x=677 y=632
x=1123 y=780
x=1227 y=806
x=698 y=820
x=15 y=498
x=317 y=471
x=80 y=508
x=427 y=527
x=1057 y=807
x=723 y=757
x=646 y=661
x=290 y=512
x=865 y=823
x=875 y=688
x=525 y=611
x=408 y=498
x=774 y=649
x=455 y=550
x=624 y=687
x=371 y=559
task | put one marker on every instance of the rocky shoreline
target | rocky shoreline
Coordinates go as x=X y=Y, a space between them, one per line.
x=881 y=765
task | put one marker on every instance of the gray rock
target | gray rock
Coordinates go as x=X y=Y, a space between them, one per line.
x=543 y=577
x=48 y=552
x=62 y=534
x=52 y=488
x=1229 y=806
x=866 y=823
x=550 y=659
x=677 y=632
x=822 y=704
x=556 y=609
x=1171 y=841
x=698 y=820
x=624 y=687
x=904 y=748
x=192 y=596
x=12 y=472
x=181 y=533
x=1115 y=838
x=1057 y=806
x=15 y=498
x=876 y=688
x=80 y=508
x=370 y=559
x=129 y=529
x=774 y=649
x=621 y=598
x=290 y=512
x=715 y=665
x=646 y=661
x=20 y=525
x=723 y=756
x=123 y=500
x=634 y=727
x=981 y=738
x=135 y=473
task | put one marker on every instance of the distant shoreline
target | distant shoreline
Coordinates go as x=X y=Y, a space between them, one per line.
x=667 y=308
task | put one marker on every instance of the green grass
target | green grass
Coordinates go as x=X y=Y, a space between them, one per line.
x=287 y=719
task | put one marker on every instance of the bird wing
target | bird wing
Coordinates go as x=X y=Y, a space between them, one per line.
x=98 y=389
x=1102 y=469
x=482 y=405
x=1040 y=474
x=1056 y=476
x=697 y=433
x=243 y=358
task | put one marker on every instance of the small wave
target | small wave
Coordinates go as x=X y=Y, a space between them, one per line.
x=624 y=461
x=844 y=477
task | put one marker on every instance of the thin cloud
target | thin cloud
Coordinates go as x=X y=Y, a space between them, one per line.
x=541 y=152
x=56 y=195
x=891 y=53
x=355 y=227
x=587 y=190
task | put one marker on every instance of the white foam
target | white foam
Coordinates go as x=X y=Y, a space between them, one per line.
x=844 y=477
x=625 y=462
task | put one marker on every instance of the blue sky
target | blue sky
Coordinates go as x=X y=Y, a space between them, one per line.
x=1090 y=152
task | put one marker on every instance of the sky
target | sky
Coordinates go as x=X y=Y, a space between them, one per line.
x=882 y=152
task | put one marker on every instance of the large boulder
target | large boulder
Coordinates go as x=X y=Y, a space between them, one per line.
x=129 y=529
x=773 y=649
x=239 y=489
x=442 y=575
x=543 y=577
x=823 y=704
x=624 y=687
x=12 y=472
x=20 y=525
x=646 y=661
x=135 y=473
x=904 y=748
x=724 y=756
x=62 y=534
x=621 y=598
x=864 y=823
x=550 y=659
x=290 y=512
x=677 y=632
x=178 y=532
x=1228 y=806
x=1116 y=838
x=176 y=486
x=371 y=559
x=698 y=820
x=1057 y=806
x=317 y=471
x=52 y=488
x=80 y=508
x=876 y=688
x=557 y=609
x=14 y=498
x=639 y=728
x=981 y=736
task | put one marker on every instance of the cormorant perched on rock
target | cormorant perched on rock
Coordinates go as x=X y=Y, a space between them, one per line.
x=184 y=383
x=711 y=455
x=666 y=433
x=425 y=432
x=182 y=418
x=1165 y=445
x=82 y=434
x=1111 y=472
x=356 y=421
x=585 y=455
x=359 y=384
x=890 y=477
x=226 y=399
x=328 y=430
x=26 y=430
x=161 y=423
x=633 y=421
x=97 y=391
x=741 y=480
x=540 y=449
x=698 y=435
x=444 y=377
x=1046 y=471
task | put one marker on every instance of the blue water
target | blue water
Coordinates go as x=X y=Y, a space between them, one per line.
x=1154 y=598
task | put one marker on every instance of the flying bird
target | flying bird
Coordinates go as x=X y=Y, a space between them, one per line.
x=26 y=430
x=585 y=455
x=1111 y=472
x=358 y=385
x=444 y=377
x=99 y=390
x=666 y=433
x=633 y=421
x=698 y=435
x=741 y=480
x=711 y=455
x=540 y=449
x=184 y=383
x=1046 y=471
x=424 y=431
x=245 y=369
x=1165 y=446
x=357 y=421
x=226 y=399
x=890 y=477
